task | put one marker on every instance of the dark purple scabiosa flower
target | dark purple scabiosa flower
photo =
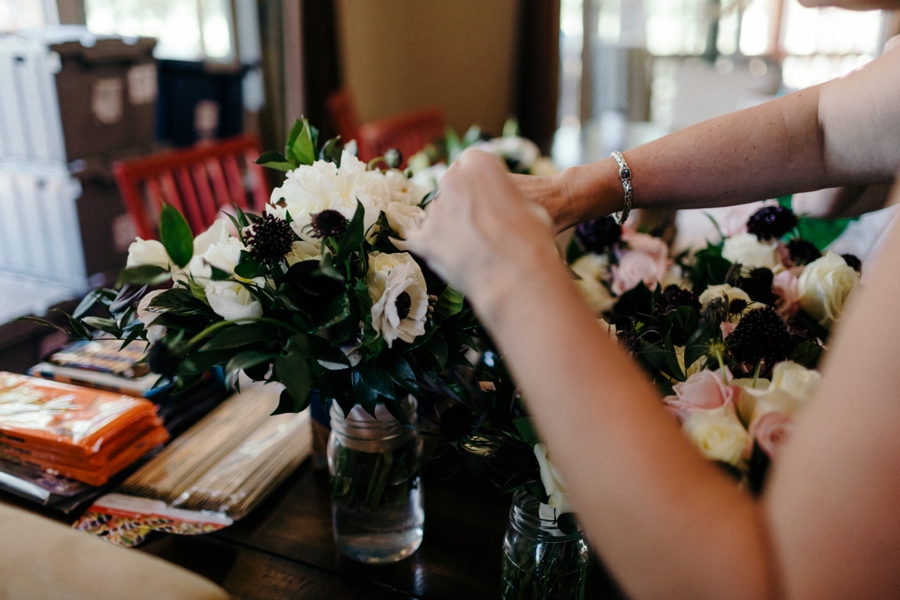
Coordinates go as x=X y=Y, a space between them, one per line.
x=761 y=335
x=673 y=297
x=329 y=223
x=598 y=235
x=771 y=222
x=269 y=239
x=853 y=261
x=802 y=252
x=758 y=285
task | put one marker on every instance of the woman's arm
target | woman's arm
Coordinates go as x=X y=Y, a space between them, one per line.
x=843 y=132
x=667 y=522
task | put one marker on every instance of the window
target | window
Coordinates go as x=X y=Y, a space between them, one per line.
x=186 y=29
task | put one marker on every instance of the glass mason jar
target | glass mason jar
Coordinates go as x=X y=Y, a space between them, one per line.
x=376 y=486
x=539 y=560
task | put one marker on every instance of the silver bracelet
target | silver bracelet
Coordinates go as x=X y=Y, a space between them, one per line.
x=625 y=176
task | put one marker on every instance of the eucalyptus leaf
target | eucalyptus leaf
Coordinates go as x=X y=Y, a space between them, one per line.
x=175 y=235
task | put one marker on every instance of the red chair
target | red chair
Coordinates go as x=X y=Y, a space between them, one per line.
x=344 y=116
x=198 y=181
x=409 y=133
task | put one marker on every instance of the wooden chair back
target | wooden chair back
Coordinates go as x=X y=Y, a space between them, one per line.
x=198 y=181
x=409 y=133
x=344 y=116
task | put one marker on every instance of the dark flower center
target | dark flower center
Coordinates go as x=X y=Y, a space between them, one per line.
x=270 y=239
x=802 y=252
x=403 y=304
x=761 y=335
x=598 y=235
x=329 y=223
x=771 y=222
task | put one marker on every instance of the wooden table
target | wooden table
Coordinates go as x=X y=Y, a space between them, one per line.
x=284 y=549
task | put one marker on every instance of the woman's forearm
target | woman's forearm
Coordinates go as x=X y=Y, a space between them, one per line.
x=640 y=489
x=843 y=132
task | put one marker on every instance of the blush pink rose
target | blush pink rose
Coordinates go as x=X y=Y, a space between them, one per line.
x=703 y=391
x=786 y=288
x=646 y=260
x=771 y=430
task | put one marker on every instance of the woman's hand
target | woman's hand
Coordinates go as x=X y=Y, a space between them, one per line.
x=481 y=235
x=549 y=192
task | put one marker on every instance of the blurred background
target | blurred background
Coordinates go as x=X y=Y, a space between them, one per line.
x=87 y=84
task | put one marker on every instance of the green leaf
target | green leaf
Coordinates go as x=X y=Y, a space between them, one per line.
x=197 y=290
x=302 y=148
x=377 y=379
x=218 y=274
x=287 y=404
x=245 y=360
x=454 y=147
x=86 y=304
x=105 y=325
x=274 y=160
x=364 y=394
x=332 y=151
x=400 y=371
x=45 y=323
x=240 y=335
x=293 y=372
x=248 y=267
x=314 y=347
x=178 y=299
x=472 y=135
x=175 y=235
x=337 y=311
x=187 y=383
x=326 y=266
x=573 y=251
x=449 y=304
x=438 y=349
x=808 y=354
x=144 y=275
x=526 y=431
x=697 y=344
x=709 y=267
x=354 y=235
x=672 y=359
x=511 y=127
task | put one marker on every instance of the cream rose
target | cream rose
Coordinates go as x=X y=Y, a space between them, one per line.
x=716 y=291
x=399 y=296
x=147 y=252
x=404 y=219
x=592 y=269
x=302 y=251
x=789 y=390
x=719 y=435
x=232 y=301
x=553 y=483
x=824 y=287
x=703 y=391
x=229 y=299
x=747 y=250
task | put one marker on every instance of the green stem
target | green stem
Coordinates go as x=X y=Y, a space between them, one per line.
x=216 y=326
x=721 y=365
x=756 y=373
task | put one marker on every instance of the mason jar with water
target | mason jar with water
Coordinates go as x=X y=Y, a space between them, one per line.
x=376 y=485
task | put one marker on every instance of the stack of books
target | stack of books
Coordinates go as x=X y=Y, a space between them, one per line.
x=85 y=434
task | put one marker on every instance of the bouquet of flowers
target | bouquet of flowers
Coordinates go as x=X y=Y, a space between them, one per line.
x=318 y=292
x=731 y=333
x=520 y=155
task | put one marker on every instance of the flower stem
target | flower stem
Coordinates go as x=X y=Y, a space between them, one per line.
x=756 y=373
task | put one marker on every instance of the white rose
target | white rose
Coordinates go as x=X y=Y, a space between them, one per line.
x=824 y=287
x=222 y=255
x=431 y=177
x=302 y=251
x=719 y=435
x=592 y=269
x=232 y=301
x=147 y=315
x=404 y=219
x=310 y=189
x=747 y=250
x=788 y=391
x=147 y=252
x=216 y=234
x=389 y=277
x=404 y=190
x=553 y=483
x=521 y=151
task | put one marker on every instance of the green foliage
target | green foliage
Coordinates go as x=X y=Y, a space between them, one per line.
x=175 y=235
x=710 y=268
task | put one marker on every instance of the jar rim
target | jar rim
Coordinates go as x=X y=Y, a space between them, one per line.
x=525 y=514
